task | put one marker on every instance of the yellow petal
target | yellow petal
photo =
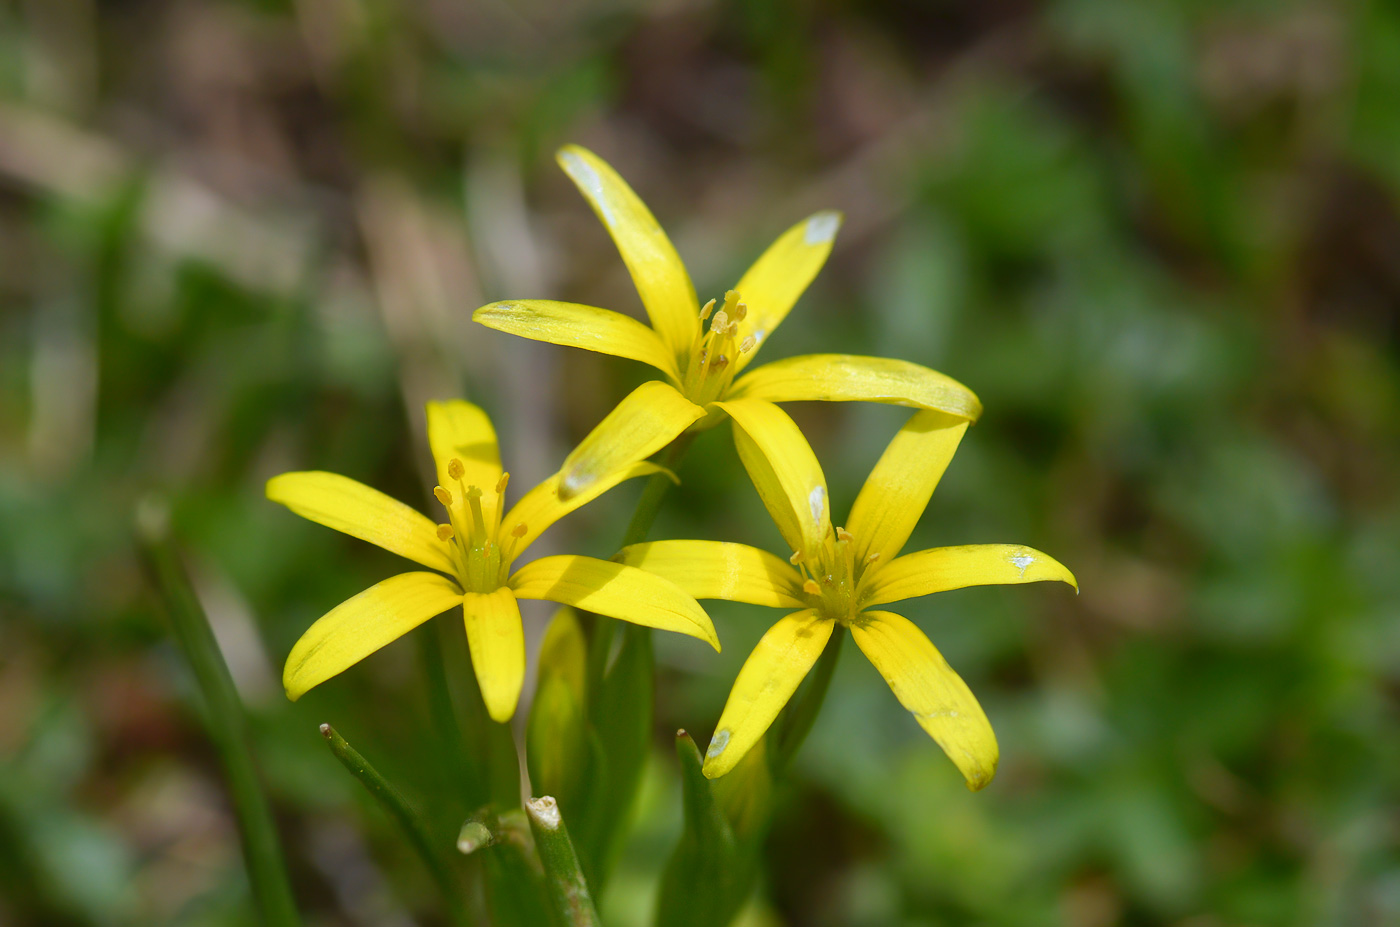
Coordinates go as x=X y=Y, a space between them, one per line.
x=840 y=377
x=578 y=326
x=614 y=590
x=897 y=492
x=647 y=420
x=355 y=509
x=783 y=470
x=926 y=685
x=460 y=430
x=775 y=281
x=657 y=271
x=543 y=506
x=769 y=677
x=497 y=642
x=942 y=568
x=358 y=627
x=718 y=570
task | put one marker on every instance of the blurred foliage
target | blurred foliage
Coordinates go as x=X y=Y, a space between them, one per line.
x=1160 y=239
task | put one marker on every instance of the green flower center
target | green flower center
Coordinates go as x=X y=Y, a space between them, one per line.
x=713 y=359
x=481 y=553
x=832 y=578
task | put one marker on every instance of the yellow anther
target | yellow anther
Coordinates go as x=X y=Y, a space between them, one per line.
x=811 y=588
x=502 y=483
x=455 y=469
x=720 y=322
x=741 y=311
x=705 y=313
x=843 y=535
x=747 y=345
x=445 y=532
x=443 y=495
x=519 y=530
x=873 y=557
x=796 y=558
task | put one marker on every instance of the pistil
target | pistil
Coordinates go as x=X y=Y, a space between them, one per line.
x=711 y=367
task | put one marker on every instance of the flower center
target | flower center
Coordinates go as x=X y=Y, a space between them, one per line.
x=481 y=552
x=832 y=579
x=712 y=359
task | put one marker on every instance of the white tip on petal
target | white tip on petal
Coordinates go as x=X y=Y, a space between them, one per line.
x=821 y=228
x=584 y=173
x=717 y=744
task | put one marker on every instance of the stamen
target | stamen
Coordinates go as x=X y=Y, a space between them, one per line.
x=516 y=534
x=443 y=496
x=811 y=588
x=843 y=535
x=721 y=322
x=747 y=345
x=445 y=532
x=705 y=313
x=502 y=483
x=872 y=558
x=731 y=300
x=740 y=311
x=455 y=469
x=796 y=558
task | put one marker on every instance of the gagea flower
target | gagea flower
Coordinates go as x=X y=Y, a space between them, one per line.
x=836 y=575
x=702 y=364
x=473 y=550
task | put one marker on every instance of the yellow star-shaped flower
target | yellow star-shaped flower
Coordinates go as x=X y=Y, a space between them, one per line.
x=836 y=575
x=475 y=548
x=700 y=365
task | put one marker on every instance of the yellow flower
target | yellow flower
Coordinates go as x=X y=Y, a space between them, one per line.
x=836 y=574
x=475 y=548
x=701 y=365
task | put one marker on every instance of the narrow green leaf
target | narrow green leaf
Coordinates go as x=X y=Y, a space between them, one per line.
x=414 y=828
x=564 y=881
x=262 y=850
x=621 y=715
x=711 y=874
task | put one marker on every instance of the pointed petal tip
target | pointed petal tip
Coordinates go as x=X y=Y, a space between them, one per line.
x=822 y=227
x=501 y=715
x=980 y=779
x=571 y=149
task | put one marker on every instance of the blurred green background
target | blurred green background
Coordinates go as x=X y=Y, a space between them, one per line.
x=1160 y=240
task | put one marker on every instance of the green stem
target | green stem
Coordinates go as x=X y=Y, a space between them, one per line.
x=658 y=485
x=568 y=892
x=643 y=517
x=262 y=851
x=393 y=801
x=444 y=713
x=803 y=709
